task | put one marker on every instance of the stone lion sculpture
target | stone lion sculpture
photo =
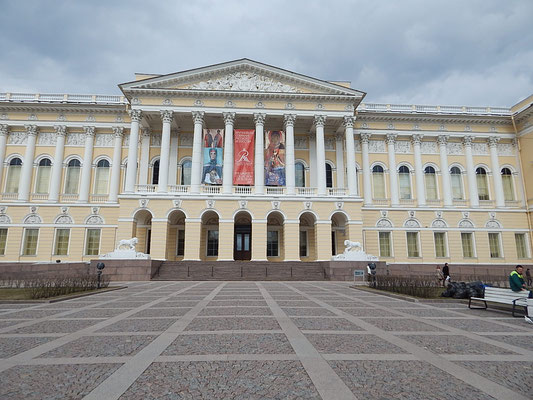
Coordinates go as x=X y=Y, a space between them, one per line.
x=127 y=244
x=352 y=246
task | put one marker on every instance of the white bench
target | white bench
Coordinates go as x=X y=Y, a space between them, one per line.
x=502 y=296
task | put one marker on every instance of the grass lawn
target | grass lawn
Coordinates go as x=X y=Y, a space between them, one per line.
x=25 y=294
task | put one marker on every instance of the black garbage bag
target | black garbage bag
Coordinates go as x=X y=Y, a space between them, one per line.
x=450 y=291
x=475 y=289
x=461 y=291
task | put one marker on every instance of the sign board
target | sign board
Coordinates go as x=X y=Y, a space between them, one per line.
x=358 y=272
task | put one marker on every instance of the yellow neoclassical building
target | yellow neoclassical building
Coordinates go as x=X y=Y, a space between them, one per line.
x=246 y=161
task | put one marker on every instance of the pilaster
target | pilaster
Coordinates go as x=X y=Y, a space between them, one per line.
x=226 y=238
x=193 y=230
x=291 y=231
x=259 y=241
x=323 y=240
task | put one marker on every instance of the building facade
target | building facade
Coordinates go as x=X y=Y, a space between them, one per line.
x=245 y=161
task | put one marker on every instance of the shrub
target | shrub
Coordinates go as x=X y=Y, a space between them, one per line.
x=419 y=286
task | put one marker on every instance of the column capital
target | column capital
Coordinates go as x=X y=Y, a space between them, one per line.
x=416 y=139
x=493 y=141
x=32 y=130
x=61 y=130
x=442 y=140
x=229 y=118
x=259 y=118
x=166 y=116
x=468 y=140
x=339 y=137
x=289 y=119
x=4 y=130
x=135 y=115
x=349 y=121
x=365 y=137
x=118 y=131
x=198 y=117
x=320 y=120
x=391 y=138
x=89 y=130
x=146 y=132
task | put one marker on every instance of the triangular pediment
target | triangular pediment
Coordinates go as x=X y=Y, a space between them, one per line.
x=241 y=76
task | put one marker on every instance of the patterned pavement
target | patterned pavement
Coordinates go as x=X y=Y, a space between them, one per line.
x=260 y=340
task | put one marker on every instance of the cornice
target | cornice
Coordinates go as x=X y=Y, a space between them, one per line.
x=366 y=116
x=62 y=108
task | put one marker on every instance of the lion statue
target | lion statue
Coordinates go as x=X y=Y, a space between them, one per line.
x=127 y=244
x=352 y=246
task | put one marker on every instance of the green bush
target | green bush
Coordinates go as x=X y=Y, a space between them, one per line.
x=419 y=286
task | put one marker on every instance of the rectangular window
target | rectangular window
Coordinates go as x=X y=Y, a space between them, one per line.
x=440 y=244
x=494 y=245
x=521 y=245
x=379 y=185
x=467 y=241
x=61 y=245
x=412 y=244
x=180 y=248
x=30 y=242
x=212 y=243
x=92 y=245
x=384 y=244
x=303 y=243
x=3 y=241
x=272 y=244
x=431 y=186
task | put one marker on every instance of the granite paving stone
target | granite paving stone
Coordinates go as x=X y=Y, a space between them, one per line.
x=296 y=303
x=4 y=323
x=524 y=342
x=162 y=312
x=401 y=325
x=237 y=303
x=480 y=325
x=139 y=325
x=325 y=324
x=10 y=346
x=368 y=312
x=213 y=311
x=454 y=344
x=352 y=344
x=309 y=311
x=98 y=313
x=57 y=326
x=426 y=312
x=232 y=323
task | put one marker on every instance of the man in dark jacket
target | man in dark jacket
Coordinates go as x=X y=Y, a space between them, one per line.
x=445 y=273
x=516 y=281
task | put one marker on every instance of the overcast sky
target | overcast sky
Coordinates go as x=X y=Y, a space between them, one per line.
x=465 y=52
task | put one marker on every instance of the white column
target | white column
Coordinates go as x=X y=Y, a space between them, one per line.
x=166 y=117
x=57 y=167
x=131 y=171
x=339 y=159
x=196 y=164
x=3 y=142
x=471 y=172
x=320 y=121
x=87 y=166
x=520 y=182
x=27 y=166
x=289 y=119
x=393 y=172
x=145 y=156
x=350 y=156
x=173 y=160
x=496 y=173
x=442 y=140
x=118 y=131
x=259 y=173
x=367 y=186
x=419 y=173
x=227 y=168
x=312 y=160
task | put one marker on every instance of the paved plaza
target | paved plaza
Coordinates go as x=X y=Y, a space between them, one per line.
x=260 y=340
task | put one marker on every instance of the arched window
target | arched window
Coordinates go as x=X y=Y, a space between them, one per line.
x=457 y=183
x=155 y=173
x=101 y=177
x=378 y=181
x=329 y=176
x=405 y=182
x=482 y=184
x=186 y=172
x=299 y=172
x=13 y=175
x=507 y=180
x=72 y=177
x=43 y=176
x=430 y=178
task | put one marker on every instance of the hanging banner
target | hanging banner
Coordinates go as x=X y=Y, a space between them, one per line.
x=212 y=156
x=243 y=155
x=275 y=158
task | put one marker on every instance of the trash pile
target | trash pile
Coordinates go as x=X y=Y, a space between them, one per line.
x=462 y=290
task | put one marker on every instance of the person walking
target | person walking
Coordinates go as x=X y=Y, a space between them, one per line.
x=439 y=276
x=445 y=274
x=528 y=277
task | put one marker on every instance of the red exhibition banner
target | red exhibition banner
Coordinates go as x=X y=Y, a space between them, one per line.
x=243 y=156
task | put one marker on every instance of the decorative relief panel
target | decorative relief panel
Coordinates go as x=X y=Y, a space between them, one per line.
x=126 y=141
x=155 y=139
x=376 y=146
x=357 y=146
x=479 y=149
x=466 y=223
x=402 y=146
x=493 y=224
x=94 y=220
x=64 y=219
x=185 y=139
x=384 y=223
x=428 y=148
x=411 y=223
x=103 y=140
x=329 y=143
x=455 y=149
x=46 y=139
x=17 y=138
x=75 y=139
x=506 y=149
x=439 y=223
x=32 y=219
x=244 y=81
x=300 y=143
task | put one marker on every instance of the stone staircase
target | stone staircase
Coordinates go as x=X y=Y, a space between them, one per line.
x=241 y=271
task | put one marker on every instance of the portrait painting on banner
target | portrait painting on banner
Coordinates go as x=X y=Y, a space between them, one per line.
x=212 y=156
x=275 y=158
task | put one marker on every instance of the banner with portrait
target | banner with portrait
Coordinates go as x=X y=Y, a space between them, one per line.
x=275 y=158
x=243 y=156
x=212 y=156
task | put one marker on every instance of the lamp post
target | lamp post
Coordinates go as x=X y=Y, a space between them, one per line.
x=100 y=267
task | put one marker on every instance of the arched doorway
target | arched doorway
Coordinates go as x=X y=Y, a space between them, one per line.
x=176 y=235
x=210 y=236
x=339 y=224
x=242 y=248
x=307 y=247
x=275 y=248
x=142 y=230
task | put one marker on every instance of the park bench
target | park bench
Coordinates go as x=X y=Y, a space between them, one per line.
x=502 y=296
